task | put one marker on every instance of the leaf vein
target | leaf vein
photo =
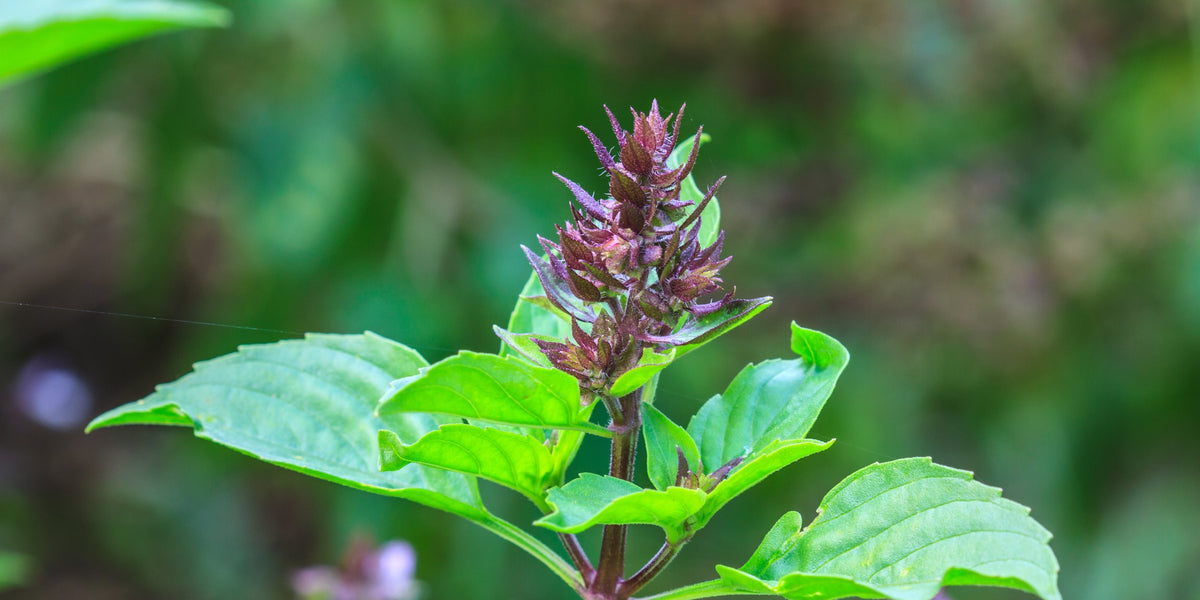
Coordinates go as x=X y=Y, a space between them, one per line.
x=946 y=539
x=511 y=396
x=893 y=526
x=821 y=523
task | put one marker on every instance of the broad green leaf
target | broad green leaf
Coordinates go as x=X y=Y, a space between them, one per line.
x=40 y=34
x=697 y=331
x=664 y=439
x=650 y=364
x=757 y=467
x=308 y=405
x=14 y=570
x=522 y=345
x=710 y=219
x=773 y=400
x=903 y=530
x=601 y=500
x=513 y=460
x=494 y=389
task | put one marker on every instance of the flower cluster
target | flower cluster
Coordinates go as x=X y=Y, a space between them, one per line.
x=630 y=268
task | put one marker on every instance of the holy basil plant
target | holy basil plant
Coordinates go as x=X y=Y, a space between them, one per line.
x=625 y=288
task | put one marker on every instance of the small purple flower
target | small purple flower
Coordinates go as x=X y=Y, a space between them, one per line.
x=366 y=573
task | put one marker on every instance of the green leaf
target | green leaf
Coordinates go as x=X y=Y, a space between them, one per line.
x=522 y=344
x=556 y=290
x=14 y=570
x=565 y=447
x=903 y=530
x=513 y=460
x=697 y=331
x=773 y=400
x=710 y=219
x=664 y=439
x=534 y=316
x=307 y=405
x=650 y=364
x=494 y=389
x=529 y=317
x=44 y=33
x=601 y=500
x=757 y=467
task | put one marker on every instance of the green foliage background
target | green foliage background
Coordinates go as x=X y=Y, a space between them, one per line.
x=994 y=205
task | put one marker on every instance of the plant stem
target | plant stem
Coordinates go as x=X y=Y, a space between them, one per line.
x=532 y=545
x=624 y=448
x=650 y=571
x=578 y=556
x=707 y=589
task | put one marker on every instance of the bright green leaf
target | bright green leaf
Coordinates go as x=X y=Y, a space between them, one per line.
x=650 y=390
x=664 y=439
x=773 y=400
x=513 y=460
x=757 y=467
x=41 y=34
x=819 y=350
x=307 y=405
x=903 y=530
x=710 y=219
x=601 y=500
x=650 y=364
x=494 y=389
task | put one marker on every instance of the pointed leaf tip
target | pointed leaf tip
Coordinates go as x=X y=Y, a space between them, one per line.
x=818 y=349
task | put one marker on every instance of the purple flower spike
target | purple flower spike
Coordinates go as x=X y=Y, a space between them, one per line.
x=631 y=264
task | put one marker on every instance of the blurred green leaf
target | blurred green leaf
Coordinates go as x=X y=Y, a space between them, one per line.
x=602 y=500
x=307 y=405
x=14 y=569
x=710 y=219
x=39 y=35
x=493 y=389
x=902 y=530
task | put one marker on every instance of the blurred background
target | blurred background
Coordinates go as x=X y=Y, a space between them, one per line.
x=994 y=204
